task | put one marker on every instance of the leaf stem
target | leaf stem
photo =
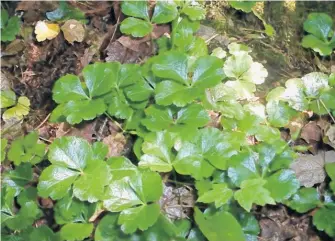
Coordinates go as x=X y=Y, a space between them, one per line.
x=331 y=116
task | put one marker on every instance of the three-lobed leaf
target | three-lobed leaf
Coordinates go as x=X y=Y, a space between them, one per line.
x=73 y=163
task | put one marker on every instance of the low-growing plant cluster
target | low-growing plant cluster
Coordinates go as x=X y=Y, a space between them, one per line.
x=233 y=164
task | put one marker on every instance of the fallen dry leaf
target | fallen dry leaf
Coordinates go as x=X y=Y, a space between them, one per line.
x=330 y=134
x=177 y=203
x=310 y=169
x=73 y=30
x=14 y=47
x=116 y=144
x=45 y=31
x=85 y=130
x=311 y=132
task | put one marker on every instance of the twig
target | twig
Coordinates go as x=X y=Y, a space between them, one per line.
x=213 y=37
x=43 y=139
x=181 y=183
x=42 y=123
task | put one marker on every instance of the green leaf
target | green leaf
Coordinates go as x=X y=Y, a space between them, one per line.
x=220 y=226
x=18 y=178
x=171 y=65
x=132 y=196
x=27 y=149
x=136 y=27
x=89 y=186
x=157 y=149
x=294 y=94
x=75 y=105
x=209 y=148
x=73 y=163
x=107 y=229
x=242 y=167
x=21 y=109
x=279 y=113
x=9 y=27
x=7 y=98
x=319 y=24
x=323 y=219
x=243 y=89
x=28 y=212
x=56 y=181
x=43 y=233
x=310 y=41
x=137 y=9
x=314 y=82
x=282 y=184
x=3 y=147
x=220 y=194
x=159 y=118
x=70 y=210
x=179 y=89
x=304 y=200
x=65 y=12
x=240 y=66
x=100 y=77
x=330 y=169
x=253 y=191
x=4 y=18
x=164 y=12
x=245 y=6
x=121 y=167
x=141 y=217
x=194 y=11
x=76 y=231
x=134 y=190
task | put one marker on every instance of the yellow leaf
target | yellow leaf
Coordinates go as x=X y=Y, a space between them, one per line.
x=45 y=31
x=21 y=109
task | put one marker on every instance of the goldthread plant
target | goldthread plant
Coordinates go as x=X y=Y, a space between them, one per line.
x=165 y=104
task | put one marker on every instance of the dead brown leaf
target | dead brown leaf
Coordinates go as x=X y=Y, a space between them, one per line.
x=177 y=203
x=85 y=130
x=90 y=8
x=116 y=144
x=310 y=168
x=330 y=134
x=311 y=132
x=14 y=47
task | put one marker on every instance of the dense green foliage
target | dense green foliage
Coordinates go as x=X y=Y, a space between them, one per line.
x=164 y=103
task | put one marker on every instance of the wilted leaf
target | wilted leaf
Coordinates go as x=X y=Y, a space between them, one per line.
x=44 y=30
x=311 y=132
x=73 y=31
x=309 y=169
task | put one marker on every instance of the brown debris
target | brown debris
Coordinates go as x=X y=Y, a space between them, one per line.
x=84 y=130
x=115 y=143
x=311 y=132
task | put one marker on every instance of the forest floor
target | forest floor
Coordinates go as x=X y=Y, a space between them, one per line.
x=30 y=68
